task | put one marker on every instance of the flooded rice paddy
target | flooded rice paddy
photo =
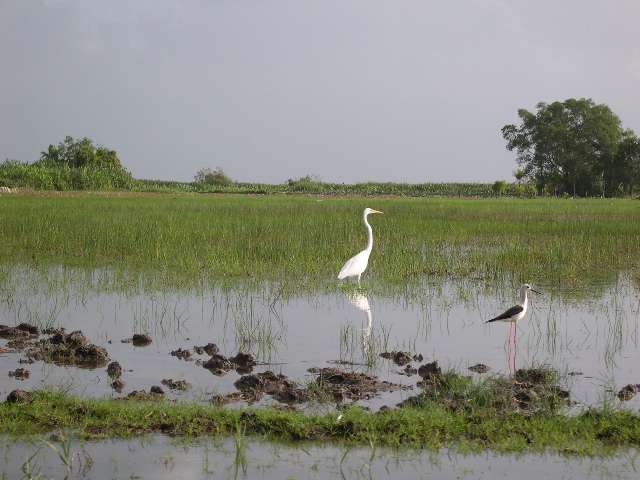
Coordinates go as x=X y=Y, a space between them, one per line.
x=163 y=458
x=590 y=336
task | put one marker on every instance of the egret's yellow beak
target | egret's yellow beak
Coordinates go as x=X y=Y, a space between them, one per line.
x=375 y=211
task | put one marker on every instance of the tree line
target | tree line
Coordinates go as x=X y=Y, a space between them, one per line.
x=575 y=147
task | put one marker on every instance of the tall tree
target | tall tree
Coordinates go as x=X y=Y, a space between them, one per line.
x=568 y=146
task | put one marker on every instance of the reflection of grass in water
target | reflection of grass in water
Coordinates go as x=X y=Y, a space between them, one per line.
x=29 y=470
x=184 y=239
x=240 y=460
x=368 y=344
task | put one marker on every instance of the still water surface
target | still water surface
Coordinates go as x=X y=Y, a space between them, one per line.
x=162 y=458
x=590 y=336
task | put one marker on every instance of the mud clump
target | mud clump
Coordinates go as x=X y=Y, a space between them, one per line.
x=53 y=331
x=538 y=393
x=69 y=349
x=114 y=370
x=210 y=349
x=535 y=375
x=13 y=333
x=627 y=392
x=409 y=371
x=19 y=373
x=118 y=385
x=479 y=368
x=244 y=362
x=253 y=387
x=175 y=384
x=156 y=389
x=218 y=364
x=141 y=340
x=152 y=394
x=220 y=400
x=30 y=329
x=18 y=396
x=402 y=358
x=430 y=372
x=351 y=385
x=182 y=354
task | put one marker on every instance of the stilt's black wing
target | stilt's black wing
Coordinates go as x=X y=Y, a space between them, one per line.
x=508 y=314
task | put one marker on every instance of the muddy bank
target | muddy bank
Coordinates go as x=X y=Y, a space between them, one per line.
x=68 y=349
x=533 y=390
x=53 y=346
x=328 y=385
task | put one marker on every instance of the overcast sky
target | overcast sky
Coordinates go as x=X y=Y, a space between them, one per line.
x=348 y=90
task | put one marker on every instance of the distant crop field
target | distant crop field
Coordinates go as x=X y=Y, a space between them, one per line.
x=306 y=239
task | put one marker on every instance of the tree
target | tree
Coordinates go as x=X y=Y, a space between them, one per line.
x=568 y=146
x=212 y=177
x=499 y=187
x=80 y=153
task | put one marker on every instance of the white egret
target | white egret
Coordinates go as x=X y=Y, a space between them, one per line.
x=356 y=265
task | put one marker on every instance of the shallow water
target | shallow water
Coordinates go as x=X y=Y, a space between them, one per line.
x=592 y=339
x=160 y=457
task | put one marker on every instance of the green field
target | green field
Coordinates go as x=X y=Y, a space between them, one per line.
x=304 y=240
x=189 y=240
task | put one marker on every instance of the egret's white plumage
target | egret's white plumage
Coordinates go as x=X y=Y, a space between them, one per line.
x=356 y=265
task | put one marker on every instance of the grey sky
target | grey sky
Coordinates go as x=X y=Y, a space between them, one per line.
x=349 y=90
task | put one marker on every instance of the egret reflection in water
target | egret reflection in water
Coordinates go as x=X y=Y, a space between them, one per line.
x=361 y=302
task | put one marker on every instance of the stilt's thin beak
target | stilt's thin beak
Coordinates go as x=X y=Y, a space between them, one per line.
x=375 y=211
x=536 y=291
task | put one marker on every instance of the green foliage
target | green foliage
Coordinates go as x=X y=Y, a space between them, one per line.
x=432 y=424
x=301 y=240
x=40 y=176
x=499 y=187
x=79 y=154
x=576 y=147
x=71 y=165
x=212 y=177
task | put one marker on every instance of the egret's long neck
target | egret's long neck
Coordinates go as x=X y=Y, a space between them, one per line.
x=523 y=297
x=369 y=234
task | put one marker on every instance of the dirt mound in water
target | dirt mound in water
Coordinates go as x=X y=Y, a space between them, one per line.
x=530 y=391
x=19 y=396
x=344 y=385
x=628 y=391
x=175 y=384
x=19 y=374
x=210 y=349
x=253 y=387
x=219 y=364
x=68 y=349
x=402 y=358
x=13 y=333
x=182 y=354
x=479 y=368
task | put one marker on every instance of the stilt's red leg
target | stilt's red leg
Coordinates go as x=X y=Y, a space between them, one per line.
x=515 y=345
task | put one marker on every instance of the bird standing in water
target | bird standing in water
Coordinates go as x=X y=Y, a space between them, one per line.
x=356 y=265
x=512 y=315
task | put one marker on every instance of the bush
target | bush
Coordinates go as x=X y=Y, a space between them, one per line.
x=43 y=177
x=212 y=177
x=524 y=190
x=499 y=187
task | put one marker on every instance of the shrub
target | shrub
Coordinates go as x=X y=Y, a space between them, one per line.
x=499 y=187
x=212 y=177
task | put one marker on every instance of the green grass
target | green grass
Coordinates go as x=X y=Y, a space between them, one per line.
x=433 y=425
x=303 y=240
